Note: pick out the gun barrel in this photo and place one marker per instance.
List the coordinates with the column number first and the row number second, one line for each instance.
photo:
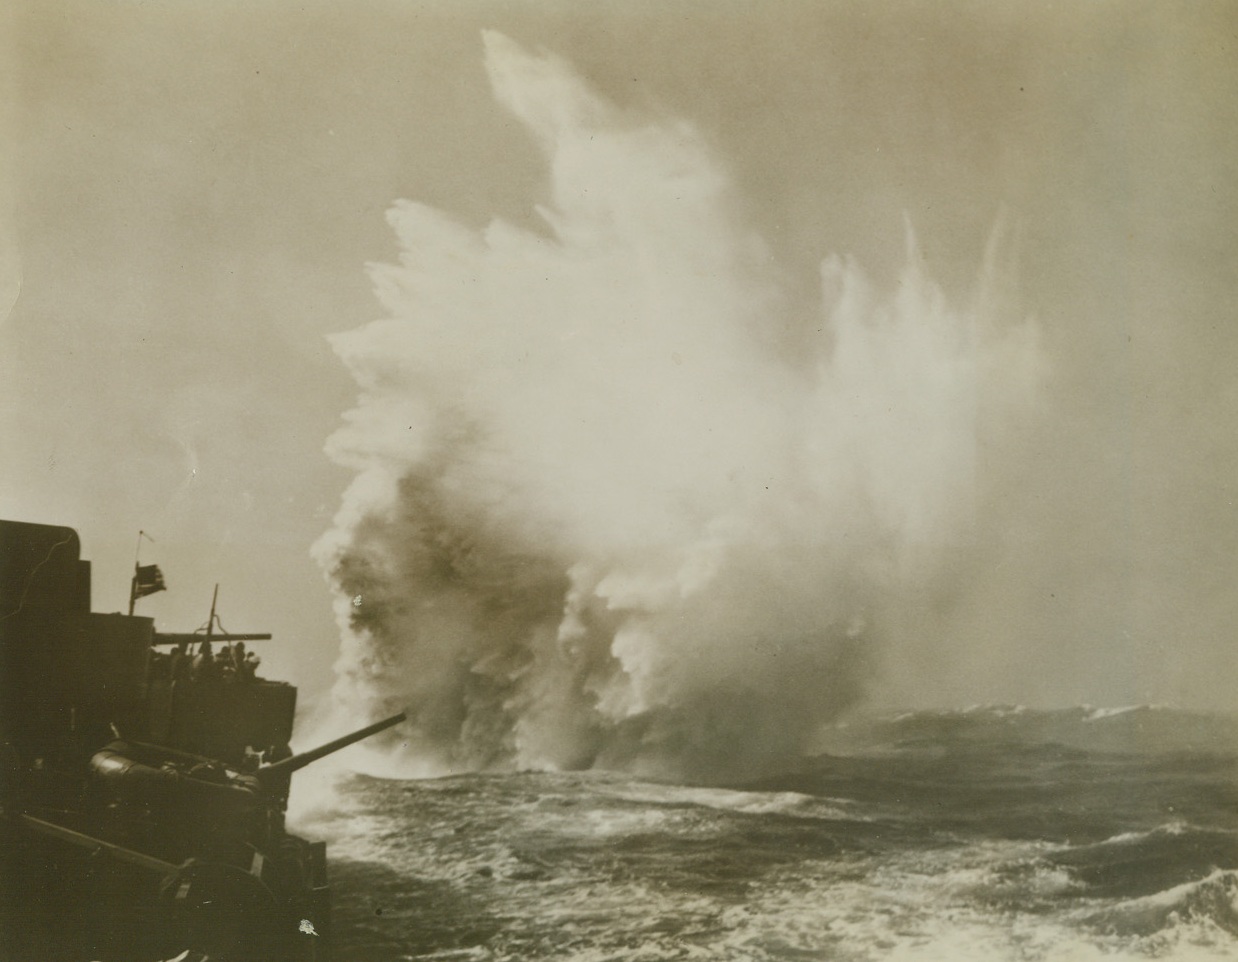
column 272, row 773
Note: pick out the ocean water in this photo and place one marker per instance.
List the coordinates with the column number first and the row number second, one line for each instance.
column 991, row 833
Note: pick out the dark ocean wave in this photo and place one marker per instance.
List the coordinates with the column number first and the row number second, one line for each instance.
column 1143, row 863
column 1209, row 901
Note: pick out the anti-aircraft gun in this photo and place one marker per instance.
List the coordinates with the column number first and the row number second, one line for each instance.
column 142, row 802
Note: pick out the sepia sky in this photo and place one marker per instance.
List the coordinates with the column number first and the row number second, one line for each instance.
column 192, row 191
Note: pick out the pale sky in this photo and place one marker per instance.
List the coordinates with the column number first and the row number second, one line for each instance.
column 193, row 191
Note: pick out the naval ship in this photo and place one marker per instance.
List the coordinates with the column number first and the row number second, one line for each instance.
column 144, row 780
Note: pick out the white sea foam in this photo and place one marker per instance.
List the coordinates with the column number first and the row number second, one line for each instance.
column 757, row 803
column 1100, row 714
column 1175, row 827
column 997, row 904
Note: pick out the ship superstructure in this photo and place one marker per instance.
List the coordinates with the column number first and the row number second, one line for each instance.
column 144, row 779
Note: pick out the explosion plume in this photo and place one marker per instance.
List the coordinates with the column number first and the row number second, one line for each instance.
column 614, row 505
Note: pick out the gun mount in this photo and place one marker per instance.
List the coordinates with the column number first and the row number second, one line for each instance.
column 143, row 793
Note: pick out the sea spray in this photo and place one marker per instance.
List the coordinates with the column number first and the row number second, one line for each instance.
column 613, row 506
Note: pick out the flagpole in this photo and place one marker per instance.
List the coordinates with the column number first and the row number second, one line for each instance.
column 133, row 585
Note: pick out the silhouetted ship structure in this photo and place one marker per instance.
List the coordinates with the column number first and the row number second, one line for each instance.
column 144, row 780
